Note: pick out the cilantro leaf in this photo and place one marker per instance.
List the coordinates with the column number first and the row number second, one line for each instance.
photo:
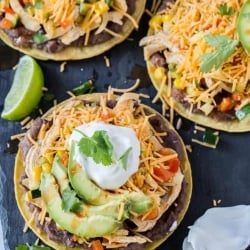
column 34, row 247
column 124, row 158
column 225, row 10
column 98, row 147
column 70, row 202
column 225, row 48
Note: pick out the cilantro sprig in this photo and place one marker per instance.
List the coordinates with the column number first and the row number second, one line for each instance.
column 33, row 247
column 100, row 148
column 70, row 202
column 224, row 49
column 224, row 10
column 124, row 158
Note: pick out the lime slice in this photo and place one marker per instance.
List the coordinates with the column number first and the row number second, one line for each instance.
column 26, row 90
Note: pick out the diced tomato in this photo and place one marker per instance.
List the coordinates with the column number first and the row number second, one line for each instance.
column 152, row 214
column 65, row 158
column 64, row 24
column 238, row 97
column 105, row 115
column 6, row 23
column 174, row 165
column 97, row 245
column 163, row 174
column 165, row 151
column 226, row 104
column 75, row 237
column 9, row 10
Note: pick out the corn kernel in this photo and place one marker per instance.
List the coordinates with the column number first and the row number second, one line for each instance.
column 166, row 18
column 37, row 171
column 159, row 73
column 46, row 167
column 49, row 157
column 155, row 22
column 179, row 84
column 101, row 7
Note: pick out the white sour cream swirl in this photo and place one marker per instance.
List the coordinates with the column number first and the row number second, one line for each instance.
column 122, row 138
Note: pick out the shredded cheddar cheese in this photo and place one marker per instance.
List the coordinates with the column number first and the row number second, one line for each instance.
column 179, row 33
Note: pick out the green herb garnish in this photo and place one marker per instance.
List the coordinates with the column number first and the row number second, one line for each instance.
column 27, row 247
column 225, row 48
column 84, row 88
column 70, row 202
column 38, row 4
column 48, row 96
column 124, row 158
column 98, row 147
column 39, row 38
column 225, row 10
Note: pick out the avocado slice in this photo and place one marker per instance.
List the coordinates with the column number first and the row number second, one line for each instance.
column 87, row 225
column 60, row 172
column 92, row 194
column 243, row 26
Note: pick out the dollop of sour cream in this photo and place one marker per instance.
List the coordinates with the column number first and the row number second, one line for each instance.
column 220, row 228
column 122, row 138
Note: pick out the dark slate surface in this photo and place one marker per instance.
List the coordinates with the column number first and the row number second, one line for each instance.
column 220, row 174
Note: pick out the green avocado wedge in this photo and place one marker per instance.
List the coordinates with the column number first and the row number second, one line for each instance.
column 243, row 26
column 91, row 193
column 89, row 225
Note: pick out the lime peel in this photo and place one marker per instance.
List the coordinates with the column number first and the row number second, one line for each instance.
column 26, row 90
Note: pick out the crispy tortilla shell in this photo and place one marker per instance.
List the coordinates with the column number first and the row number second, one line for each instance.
column 20, row 191
column 77, row 53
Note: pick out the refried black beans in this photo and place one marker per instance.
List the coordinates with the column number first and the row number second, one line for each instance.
column 21, row 37
column 163, row 224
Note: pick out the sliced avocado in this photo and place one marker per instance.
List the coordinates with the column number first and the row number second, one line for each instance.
column 91, row 193
column 60, row 172
column 94, row 225
column 111, row 208
column 243, row 26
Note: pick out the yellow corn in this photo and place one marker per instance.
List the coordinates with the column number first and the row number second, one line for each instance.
column 179, row 84
column 46, row 167
column 101, row 7
column 155, row 22
column 49, row 157
column 166, row 18
column 37, row 170
column 159, row 73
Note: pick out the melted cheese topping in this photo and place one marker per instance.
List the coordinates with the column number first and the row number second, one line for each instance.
column 178, row 33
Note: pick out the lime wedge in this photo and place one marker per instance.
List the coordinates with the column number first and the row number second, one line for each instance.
column 26, row 90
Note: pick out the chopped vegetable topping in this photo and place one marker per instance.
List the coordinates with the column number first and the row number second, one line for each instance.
column 225, row 10
column 243, row 112
column 210, row 138
column 86, row 87
column 36, row 193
